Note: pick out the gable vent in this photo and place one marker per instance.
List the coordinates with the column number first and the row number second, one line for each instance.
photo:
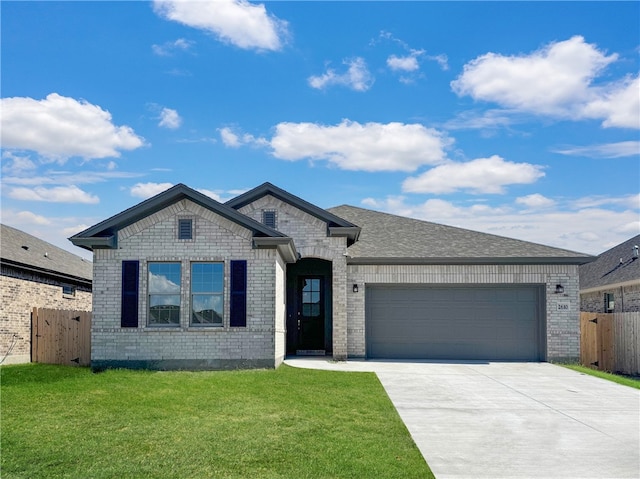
column 269, row 218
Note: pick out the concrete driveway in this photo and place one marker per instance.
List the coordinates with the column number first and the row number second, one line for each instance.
column 510, row 420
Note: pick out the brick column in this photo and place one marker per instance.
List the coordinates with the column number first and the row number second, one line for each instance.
column 339, row 271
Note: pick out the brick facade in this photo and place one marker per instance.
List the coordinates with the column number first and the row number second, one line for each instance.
column 626, row 299
column 216, row 239
column 20, row 292
column 562, row 325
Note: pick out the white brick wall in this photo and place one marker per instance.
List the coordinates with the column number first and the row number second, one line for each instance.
column 215, row 239
column 563, row 326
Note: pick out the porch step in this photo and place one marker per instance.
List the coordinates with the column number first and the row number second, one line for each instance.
column 311, row 352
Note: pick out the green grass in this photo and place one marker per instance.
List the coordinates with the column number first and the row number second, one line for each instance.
column 616, row 378
column 68, row 422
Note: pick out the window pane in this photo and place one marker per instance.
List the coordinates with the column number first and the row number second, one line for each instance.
column 207, row 277
column 207, row 309
column 164, row 278
column 164, row 309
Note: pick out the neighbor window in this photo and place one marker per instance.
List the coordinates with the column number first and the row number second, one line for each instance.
column 207, row 287
column 68, row 290
column 609, row 303
column 185, row 229
column 164, row 294
column 269, row 218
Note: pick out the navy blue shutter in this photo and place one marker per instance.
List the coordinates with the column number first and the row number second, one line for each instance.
column 238, row 306
column 129, row 305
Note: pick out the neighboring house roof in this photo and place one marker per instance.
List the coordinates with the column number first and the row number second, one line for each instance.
column 105, row 233
column 616, row 266
column 387, row 238
column 24, row 251
column 337, row 226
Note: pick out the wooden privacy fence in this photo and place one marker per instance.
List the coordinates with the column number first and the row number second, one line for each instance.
column 610, row 341
column 61, row 337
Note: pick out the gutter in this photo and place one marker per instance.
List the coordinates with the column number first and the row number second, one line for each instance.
column 47, row 272
column 471, row 261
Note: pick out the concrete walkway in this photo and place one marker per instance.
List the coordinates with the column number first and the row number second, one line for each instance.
column 510, row 420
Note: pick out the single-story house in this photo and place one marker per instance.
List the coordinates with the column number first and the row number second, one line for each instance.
column 182, row 281
column 611, row 283
column 36, row 274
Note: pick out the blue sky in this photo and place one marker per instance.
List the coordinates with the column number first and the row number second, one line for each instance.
column 518, row 119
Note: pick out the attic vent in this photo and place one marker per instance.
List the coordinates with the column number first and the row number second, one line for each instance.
column 185, row 229
column 25, row 247
column 269, row 218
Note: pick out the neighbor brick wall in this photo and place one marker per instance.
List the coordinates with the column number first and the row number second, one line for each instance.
column 562, row 327
column 20, row 292
column 626, row 299
column 311, row 240
column 215, row 238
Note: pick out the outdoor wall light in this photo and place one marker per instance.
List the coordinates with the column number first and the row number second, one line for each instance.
column 355, row 288
column 559, row 289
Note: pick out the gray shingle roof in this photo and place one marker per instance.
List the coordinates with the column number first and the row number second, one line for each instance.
column 390, row 238
column 21, row 249
column 609, row 269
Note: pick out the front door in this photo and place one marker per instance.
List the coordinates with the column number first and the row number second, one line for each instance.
column 311, row 313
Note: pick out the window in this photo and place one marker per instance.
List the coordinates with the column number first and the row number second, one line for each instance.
column 68, row 290
column 185, row 229
column 164, row 294
column 609, row 303
column 269, row 218
column 207, row 286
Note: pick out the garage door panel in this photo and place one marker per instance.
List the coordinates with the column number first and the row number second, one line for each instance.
column 454, row 322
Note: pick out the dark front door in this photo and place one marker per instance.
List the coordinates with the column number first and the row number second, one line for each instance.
column 311, row 313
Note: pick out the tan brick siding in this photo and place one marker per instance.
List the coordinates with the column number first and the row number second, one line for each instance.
column 21, row 292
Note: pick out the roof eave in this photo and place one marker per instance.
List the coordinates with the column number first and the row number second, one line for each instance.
column 48, row 272
column 603, row 287
column 95, row 242
column 285, row 247
column 469, row 261
column 351, row 232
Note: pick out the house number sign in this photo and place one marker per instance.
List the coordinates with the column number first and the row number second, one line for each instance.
column 563, row 305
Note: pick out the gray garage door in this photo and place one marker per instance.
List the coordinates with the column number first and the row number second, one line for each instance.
column 498, row 322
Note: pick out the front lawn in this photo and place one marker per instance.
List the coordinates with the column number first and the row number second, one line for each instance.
column 68, row 422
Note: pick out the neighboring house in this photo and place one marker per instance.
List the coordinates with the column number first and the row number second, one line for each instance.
column 183, row 281
column 36, row 274
column 611, row 283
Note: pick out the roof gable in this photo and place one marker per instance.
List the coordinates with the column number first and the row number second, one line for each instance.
column 337, row 226
column 614, row 266
column 24, row 251
column 104, row 234
column 387, row 238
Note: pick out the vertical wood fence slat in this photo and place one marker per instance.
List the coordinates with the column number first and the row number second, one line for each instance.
column 61, row 337
column 612, row 343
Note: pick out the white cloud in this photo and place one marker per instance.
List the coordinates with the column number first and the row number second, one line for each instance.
column 607, row 150
column 147, row 190
column 365, row 147
column 238, row 22
column 170, row 119
column 357, row 77
column 231, row 139
column 169, row 48
column 535, row 201
column 16, row 165
column 24, row 218
column 441, row 59
column 587, row 230
column 407, row 63
column 555, row 80
column 618, row 104
column 57, row 194
column 482, row 175
column 59, row 127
